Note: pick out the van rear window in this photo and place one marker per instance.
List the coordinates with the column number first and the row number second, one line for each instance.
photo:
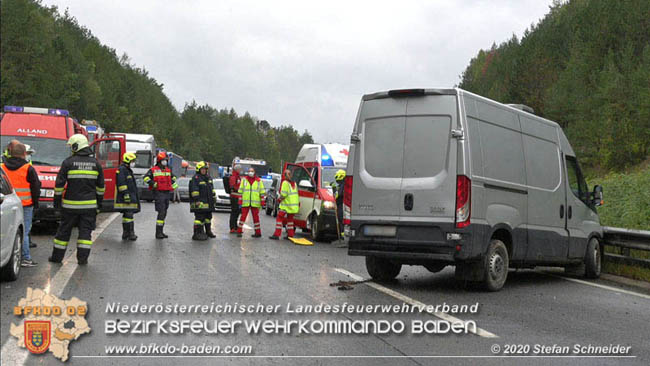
column 383, row 147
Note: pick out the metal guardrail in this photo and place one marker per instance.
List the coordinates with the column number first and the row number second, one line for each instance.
column 624, row 240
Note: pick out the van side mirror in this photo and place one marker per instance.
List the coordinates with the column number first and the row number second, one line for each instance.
column 305, row 184
column 598, row 196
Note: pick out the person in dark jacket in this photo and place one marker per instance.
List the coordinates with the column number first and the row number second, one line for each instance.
column 79, row 201
column 233, row 184
column 161, row 180
column 127, row 200
column 202, row 202
column 28, row 188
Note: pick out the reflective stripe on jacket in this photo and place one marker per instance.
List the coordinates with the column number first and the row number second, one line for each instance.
column 80, row 182
column 18, row 179
column 162, row 179
column 126, row 192
column 251, row 194
column 201, row 193
column 290, row 200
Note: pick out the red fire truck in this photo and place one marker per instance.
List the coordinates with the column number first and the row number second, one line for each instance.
column 47, row 130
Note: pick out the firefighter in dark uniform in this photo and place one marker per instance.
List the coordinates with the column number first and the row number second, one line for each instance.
column 127, row 200
column 338, row 188
column 161, row 180
column 202, row 202
column 78, row 192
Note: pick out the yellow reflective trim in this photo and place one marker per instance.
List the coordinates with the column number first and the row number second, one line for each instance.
column 194, row 194
column 57, row 189
column 60, row 242
column 81, row 241
column 123, row 188
column 83, row 172
column 89, row 202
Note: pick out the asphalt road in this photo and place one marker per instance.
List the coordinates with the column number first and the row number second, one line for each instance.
column 534, row 308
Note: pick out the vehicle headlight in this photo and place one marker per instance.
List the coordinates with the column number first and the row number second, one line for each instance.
column 47, row 192
column 329, row 205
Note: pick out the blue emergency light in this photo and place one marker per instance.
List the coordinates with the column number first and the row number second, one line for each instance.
column 53, row 111
column 325, row 158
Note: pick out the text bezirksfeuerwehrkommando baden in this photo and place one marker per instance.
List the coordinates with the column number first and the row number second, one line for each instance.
column 289, row 308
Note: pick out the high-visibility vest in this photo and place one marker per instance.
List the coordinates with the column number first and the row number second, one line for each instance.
column 163, row 177
column 18, row 179
column 290, row 199
column 252, row 194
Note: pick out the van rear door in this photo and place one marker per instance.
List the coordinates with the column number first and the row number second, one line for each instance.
column 407, row 159
column 428, row 190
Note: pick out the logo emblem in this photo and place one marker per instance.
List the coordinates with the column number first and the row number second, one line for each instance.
column 37, row 335
column 345, row 152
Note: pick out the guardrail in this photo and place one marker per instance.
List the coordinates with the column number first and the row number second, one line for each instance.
column 624, row 240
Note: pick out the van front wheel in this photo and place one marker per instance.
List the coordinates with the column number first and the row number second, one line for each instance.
column 496, row 265
column 593, row 259
column 382, row 268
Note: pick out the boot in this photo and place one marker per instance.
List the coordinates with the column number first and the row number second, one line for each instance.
column 208, row 231
column 132, row 236
column 57, row 255
column 256, row 235
column 125, row 230
column 82, row 255
column 199, row 234
column 159, row 233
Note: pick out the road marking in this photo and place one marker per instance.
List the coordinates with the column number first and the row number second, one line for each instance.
column 605, row 287
column 444, row 316
column 11, row 353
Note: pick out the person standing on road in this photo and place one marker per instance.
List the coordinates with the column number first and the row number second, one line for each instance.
column 289, row 206
column 234, row 182
column 127, row 200
column 339, row 191
column 24, row 179
column 78, row 192
column 161, row 180
column 251, row 198
column 202, row 202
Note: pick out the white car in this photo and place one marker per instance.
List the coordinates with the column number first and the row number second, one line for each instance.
column 222, row 198
column 11, row 237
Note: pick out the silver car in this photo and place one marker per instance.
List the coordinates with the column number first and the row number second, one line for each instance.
column 184, row 188
column 11, row 230
column 222, row 201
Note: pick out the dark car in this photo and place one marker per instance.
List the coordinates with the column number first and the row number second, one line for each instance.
column 272, row 197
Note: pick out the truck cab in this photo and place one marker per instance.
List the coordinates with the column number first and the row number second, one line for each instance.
column 313, row 171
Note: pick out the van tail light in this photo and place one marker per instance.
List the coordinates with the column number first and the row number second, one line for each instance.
column 347, row 200
column 463, row 201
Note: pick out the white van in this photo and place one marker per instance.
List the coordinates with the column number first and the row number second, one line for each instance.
column 443, row 176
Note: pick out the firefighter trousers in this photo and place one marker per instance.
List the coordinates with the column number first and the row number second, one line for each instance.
column 85, row 222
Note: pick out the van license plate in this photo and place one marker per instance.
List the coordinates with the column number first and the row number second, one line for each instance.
column 379, row 230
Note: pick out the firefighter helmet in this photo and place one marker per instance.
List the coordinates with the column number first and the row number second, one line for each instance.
column 161, row 156
column 128, row 157
column 200, row 165
column 340, row 175
column 77, row 142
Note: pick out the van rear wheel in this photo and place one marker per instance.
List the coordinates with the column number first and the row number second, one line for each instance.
column 496, row 265
column 382, row 269
column 593, row 259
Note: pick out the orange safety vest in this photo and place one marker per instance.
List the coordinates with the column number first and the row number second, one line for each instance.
column 18, row 179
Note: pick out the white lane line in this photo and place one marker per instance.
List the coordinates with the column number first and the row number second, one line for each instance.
column 444, row 316
column 11, row 353
column 605, row 287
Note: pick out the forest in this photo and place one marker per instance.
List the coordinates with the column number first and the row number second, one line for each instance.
column 47, row 59
column 585, row 65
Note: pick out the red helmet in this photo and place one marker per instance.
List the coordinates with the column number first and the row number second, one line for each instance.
column 162, row 155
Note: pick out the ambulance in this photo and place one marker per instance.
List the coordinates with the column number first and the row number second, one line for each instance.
column 47, row 130
column 313, row 171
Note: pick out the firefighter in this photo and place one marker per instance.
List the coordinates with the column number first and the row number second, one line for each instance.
column 339, row 191
column 202, row 202
column 233, row 184
column 24, row 179
column 289, row 206
column 161, row 180
column 251, row 198
column 127, row 199
column 78, row 191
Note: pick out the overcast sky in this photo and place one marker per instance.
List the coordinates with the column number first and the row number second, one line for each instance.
column 304, row 63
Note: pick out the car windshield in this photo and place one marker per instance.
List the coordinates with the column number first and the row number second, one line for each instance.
column 328, row 176
column 217, row 183
column 260, row 170
column 49, row 152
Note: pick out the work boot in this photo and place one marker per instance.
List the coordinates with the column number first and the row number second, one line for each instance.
column 132, row 236
column 273, row 237
column 82, row 255
column 125, row 230
column 199, row 234
column 57, row 255
column 159, row 233
column 208, row 231
column 256, row 235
